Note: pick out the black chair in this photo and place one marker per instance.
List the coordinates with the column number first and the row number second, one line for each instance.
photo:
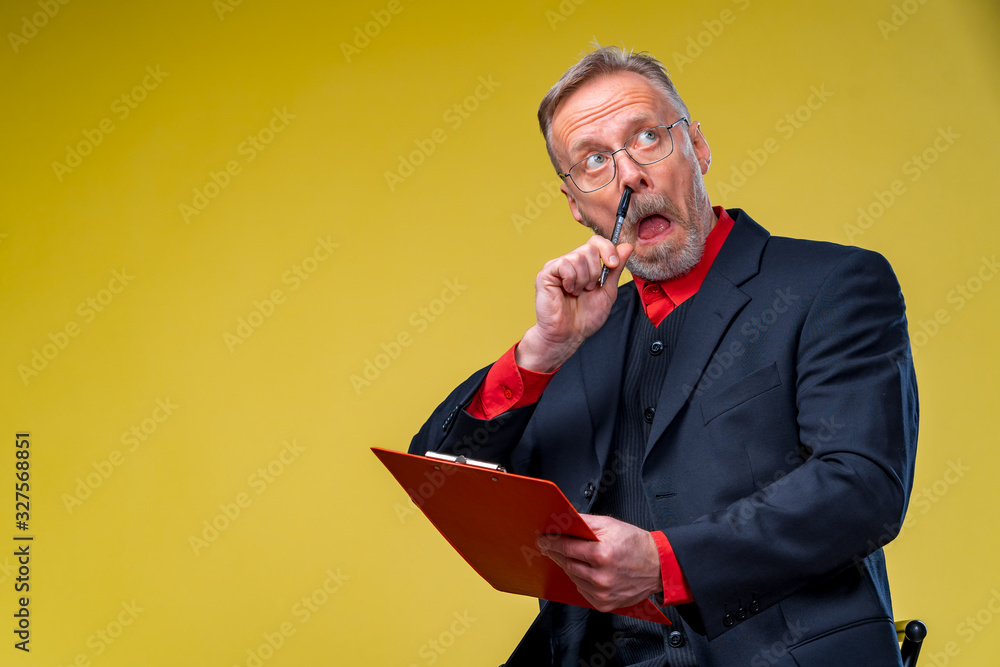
column 911, row 635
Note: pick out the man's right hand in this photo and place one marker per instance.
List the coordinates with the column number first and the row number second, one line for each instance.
column 569, row 304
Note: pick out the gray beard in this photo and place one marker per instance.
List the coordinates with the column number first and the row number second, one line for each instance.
column 671, row 258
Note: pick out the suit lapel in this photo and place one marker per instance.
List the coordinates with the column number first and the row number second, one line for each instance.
column 602, row 362
column 710, row 314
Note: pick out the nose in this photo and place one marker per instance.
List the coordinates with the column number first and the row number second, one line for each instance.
column 630, row 172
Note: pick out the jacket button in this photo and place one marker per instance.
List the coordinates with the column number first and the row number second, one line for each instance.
column 675, row 639
column 741, row 614
column 588, row 492
column 649, row 414
column 754, row 607
column 729, row 621
column 656, row 347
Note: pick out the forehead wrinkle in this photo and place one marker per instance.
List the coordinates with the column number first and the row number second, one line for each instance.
column 608, row 109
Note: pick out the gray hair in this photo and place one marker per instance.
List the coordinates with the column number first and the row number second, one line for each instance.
column 602, row 61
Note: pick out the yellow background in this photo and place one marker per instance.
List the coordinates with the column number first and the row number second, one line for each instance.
column 473, row 223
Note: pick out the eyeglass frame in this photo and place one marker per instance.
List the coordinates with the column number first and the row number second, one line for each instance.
column 568, row 173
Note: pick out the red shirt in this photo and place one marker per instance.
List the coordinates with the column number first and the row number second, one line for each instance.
column 508, row 386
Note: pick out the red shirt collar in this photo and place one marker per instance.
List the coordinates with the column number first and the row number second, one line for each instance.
column 660, row 298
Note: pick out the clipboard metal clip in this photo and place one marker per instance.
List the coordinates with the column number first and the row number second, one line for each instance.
column 465, row 460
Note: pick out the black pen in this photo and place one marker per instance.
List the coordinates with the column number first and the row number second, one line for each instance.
column 619, row 221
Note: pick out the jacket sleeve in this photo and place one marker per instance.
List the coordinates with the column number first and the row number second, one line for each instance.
column 452, row 430
column 856, row 401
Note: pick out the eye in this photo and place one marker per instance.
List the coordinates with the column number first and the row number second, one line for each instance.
column 596, row 162
column 646, row 138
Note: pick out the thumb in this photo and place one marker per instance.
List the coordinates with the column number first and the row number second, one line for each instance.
column 624, row 251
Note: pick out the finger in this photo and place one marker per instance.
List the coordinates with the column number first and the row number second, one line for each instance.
column 553, row 544
column 603, row 246
column 602, row 525
column 587, row 261
column 586, row 266
column 569, row 273
column 624, row 251
column 597, row 521
column 555, row 557
column 583, row 574
column 568, row 547
column 579, row 572
column 574, row 273
column 600, row 599
column 580, row 269
column 559, row 272
column 609, row 255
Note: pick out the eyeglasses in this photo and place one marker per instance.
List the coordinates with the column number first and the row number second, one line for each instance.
column 644, row 147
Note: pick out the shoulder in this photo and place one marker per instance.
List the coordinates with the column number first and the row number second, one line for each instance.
column 818, row 256
column 804, row 258
column 807, row 274
column 830, row 268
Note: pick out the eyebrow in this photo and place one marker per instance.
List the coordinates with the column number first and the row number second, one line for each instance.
column 588, row 144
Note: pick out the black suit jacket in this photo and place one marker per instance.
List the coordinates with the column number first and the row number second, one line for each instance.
column 780, row 458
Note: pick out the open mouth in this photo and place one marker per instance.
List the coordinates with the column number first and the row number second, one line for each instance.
column 653, row 227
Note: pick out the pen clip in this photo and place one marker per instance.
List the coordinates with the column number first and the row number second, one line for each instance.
column 623, row 207
column 619, row 221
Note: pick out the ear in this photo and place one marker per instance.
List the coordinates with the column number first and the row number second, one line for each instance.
column 574, row 209
column 700, row 145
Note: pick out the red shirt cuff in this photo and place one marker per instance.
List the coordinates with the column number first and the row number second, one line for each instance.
column 675, row 587
column 507, row 386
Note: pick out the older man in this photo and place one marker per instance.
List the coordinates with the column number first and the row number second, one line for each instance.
column 739, row 421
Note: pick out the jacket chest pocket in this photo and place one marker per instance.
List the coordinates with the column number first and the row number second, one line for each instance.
column 755, row 420
column 740, row 392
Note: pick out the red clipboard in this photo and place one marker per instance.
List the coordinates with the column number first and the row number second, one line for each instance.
column 493, row 518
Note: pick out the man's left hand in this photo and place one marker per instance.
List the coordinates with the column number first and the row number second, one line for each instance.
column 620, row 570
